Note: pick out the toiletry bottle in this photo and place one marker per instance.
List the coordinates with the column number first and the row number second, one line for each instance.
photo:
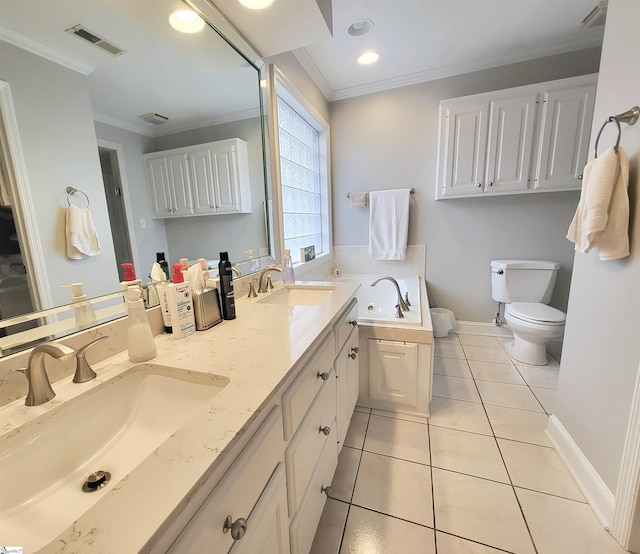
column 289, row 276
column 227, row 297
column 140, row 343
column 84, row 314
column 180, row 305
column 163, row 297
column 130, row 278
column 162, row 262
column 254, row 265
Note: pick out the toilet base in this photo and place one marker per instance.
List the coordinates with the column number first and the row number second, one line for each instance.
column 527, row 352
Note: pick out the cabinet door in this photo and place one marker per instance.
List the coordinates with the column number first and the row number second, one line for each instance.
column 464, row 141
column 268, row 527
column 393, row 372
column 160, row 187
column 566, row 125
column 178, row 172
column 226, row 178
column 203, row 181
column 509, row 149
column 346, row 366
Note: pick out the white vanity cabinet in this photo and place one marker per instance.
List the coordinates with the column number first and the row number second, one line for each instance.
column 522, row 140
column 205, row 179
column 346, row 369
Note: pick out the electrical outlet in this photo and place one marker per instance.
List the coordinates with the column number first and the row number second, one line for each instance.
column 143, row 224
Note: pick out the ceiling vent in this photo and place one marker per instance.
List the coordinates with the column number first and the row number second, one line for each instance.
column 82, row 32
column 155, row 118
column 596, row 15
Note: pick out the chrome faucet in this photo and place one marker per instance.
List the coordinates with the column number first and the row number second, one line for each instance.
column 40, row 390
column 401, row 305
column 262, row 281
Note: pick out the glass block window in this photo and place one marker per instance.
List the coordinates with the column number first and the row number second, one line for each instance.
column 300, row 177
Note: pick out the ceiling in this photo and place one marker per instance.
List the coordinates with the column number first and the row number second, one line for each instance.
column 420, row 40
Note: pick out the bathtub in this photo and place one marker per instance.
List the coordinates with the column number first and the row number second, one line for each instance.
column 378, row 304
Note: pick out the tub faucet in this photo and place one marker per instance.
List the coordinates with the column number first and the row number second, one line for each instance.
column 401, row 302
column 40, row 390
column 262, row 281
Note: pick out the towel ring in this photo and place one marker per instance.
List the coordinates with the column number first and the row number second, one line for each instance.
column 71, row 191
column 629, row 117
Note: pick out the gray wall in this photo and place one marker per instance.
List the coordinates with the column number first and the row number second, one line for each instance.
column 601, row 346
column 55, row 122
column 389, row 140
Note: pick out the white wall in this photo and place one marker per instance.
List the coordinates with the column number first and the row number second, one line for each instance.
column 601, row 346
column 389, row 140
column 55, row 122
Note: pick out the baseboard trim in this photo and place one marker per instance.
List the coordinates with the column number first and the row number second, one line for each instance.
column 594, row 489
column 480, row 328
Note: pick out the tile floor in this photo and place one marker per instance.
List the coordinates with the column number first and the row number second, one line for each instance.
column 480, row 477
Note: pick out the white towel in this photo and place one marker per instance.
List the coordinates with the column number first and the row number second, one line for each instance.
column 389, row 224
column 601, row 220
column 82, row 239
column 358, row 199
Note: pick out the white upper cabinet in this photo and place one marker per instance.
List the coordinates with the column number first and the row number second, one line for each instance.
column 205, row 179
column 521, row 140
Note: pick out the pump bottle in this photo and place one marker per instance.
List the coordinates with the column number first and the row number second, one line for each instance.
column 140, row 343
column 289, row 277
column 83, row 310
column 180, row 302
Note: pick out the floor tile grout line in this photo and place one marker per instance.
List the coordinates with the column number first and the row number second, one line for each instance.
column 392, row 516
column 475, row 541
column 433, row 495
column 553, row 495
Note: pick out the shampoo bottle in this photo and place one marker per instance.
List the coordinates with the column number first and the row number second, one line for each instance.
column 289, row 276
column 162, row 262
column 84, row 314
column 227, row 297
column 140, row 343
column 180, row 302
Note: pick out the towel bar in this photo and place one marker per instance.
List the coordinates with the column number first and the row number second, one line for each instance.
column 412, row 191
column 629, row 117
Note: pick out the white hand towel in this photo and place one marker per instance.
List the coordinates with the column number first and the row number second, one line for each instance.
column 389, row 224
column 82, row 239
column 358, row 199
column 601, row 220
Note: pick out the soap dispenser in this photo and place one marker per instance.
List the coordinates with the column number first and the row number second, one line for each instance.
column 130, row 278
column 289, row 277
column 254, row 265
column 140, row 343
column 84, row 314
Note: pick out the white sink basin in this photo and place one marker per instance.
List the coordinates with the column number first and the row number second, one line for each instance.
column 112, row 427
column 298, row 295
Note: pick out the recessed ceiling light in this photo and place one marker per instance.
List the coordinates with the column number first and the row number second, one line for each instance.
column 360, row 27
column 368, row 58
column 256, row 4
column 186, row 21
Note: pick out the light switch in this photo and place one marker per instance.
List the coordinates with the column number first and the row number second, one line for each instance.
column 143, row 224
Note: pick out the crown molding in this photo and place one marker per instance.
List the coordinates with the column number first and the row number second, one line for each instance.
column 309, row 65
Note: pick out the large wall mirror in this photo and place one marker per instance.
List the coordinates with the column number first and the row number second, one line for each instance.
column 87, row 89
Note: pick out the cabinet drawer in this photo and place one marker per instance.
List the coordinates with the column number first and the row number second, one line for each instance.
column 300, row 395
column 346, row 324
column 237, row 493
column 305, row 449
column 304, row 524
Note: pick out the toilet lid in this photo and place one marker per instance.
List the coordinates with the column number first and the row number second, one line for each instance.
column 534, row 312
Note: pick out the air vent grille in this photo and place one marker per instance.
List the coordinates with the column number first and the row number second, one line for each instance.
column 155, row 118
column 96, row 40
column 596, row 16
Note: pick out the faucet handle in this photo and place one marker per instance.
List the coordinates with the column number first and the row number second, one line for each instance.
column 83, row 369
column 252, row 290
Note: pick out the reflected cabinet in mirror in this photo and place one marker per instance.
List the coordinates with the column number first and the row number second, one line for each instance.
column 159, row 133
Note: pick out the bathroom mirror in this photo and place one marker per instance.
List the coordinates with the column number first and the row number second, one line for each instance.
column 93, row 86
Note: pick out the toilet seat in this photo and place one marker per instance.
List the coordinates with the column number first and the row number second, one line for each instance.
column 536, row 313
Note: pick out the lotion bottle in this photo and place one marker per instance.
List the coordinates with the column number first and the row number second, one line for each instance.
column 227, row 296
column 180, row 301
column 84, row 314
column 289, row 277
column 140, row 343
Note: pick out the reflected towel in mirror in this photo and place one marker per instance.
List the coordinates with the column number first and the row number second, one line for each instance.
column 82, row 238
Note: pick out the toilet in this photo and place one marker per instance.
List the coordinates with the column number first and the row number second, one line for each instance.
column 525, row 286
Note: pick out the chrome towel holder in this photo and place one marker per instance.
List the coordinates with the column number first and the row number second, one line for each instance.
column 412, row 190
column 629, row 117
column 71, row 191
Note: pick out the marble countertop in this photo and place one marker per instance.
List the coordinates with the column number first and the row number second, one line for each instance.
column 256, row 352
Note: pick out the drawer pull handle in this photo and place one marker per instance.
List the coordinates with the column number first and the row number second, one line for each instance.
column 353, row 322
column 238, row 527
column 325, row 430
column 324, row 375
column 327, row 491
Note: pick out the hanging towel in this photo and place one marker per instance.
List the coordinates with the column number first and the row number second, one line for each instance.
column 601, row 220
column 389, row 224
column 82, row 239
column 358, row 199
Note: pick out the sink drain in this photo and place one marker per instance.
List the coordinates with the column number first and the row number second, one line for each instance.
column 371, row 307
column 96, row 481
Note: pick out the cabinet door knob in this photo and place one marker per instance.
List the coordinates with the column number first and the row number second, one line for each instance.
column 353, row 355
column 353, row 322
column 324, row 375
column 238, row 527
column 479, row 185
column 580, row 177
column 490, row 183
column 355, row 349
column 325, row 430
column 326, row 490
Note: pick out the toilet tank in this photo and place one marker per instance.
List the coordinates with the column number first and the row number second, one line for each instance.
column 523, row 280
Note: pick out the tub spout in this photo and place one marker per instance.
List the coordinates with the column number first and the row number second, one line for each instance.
column 401, row 302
